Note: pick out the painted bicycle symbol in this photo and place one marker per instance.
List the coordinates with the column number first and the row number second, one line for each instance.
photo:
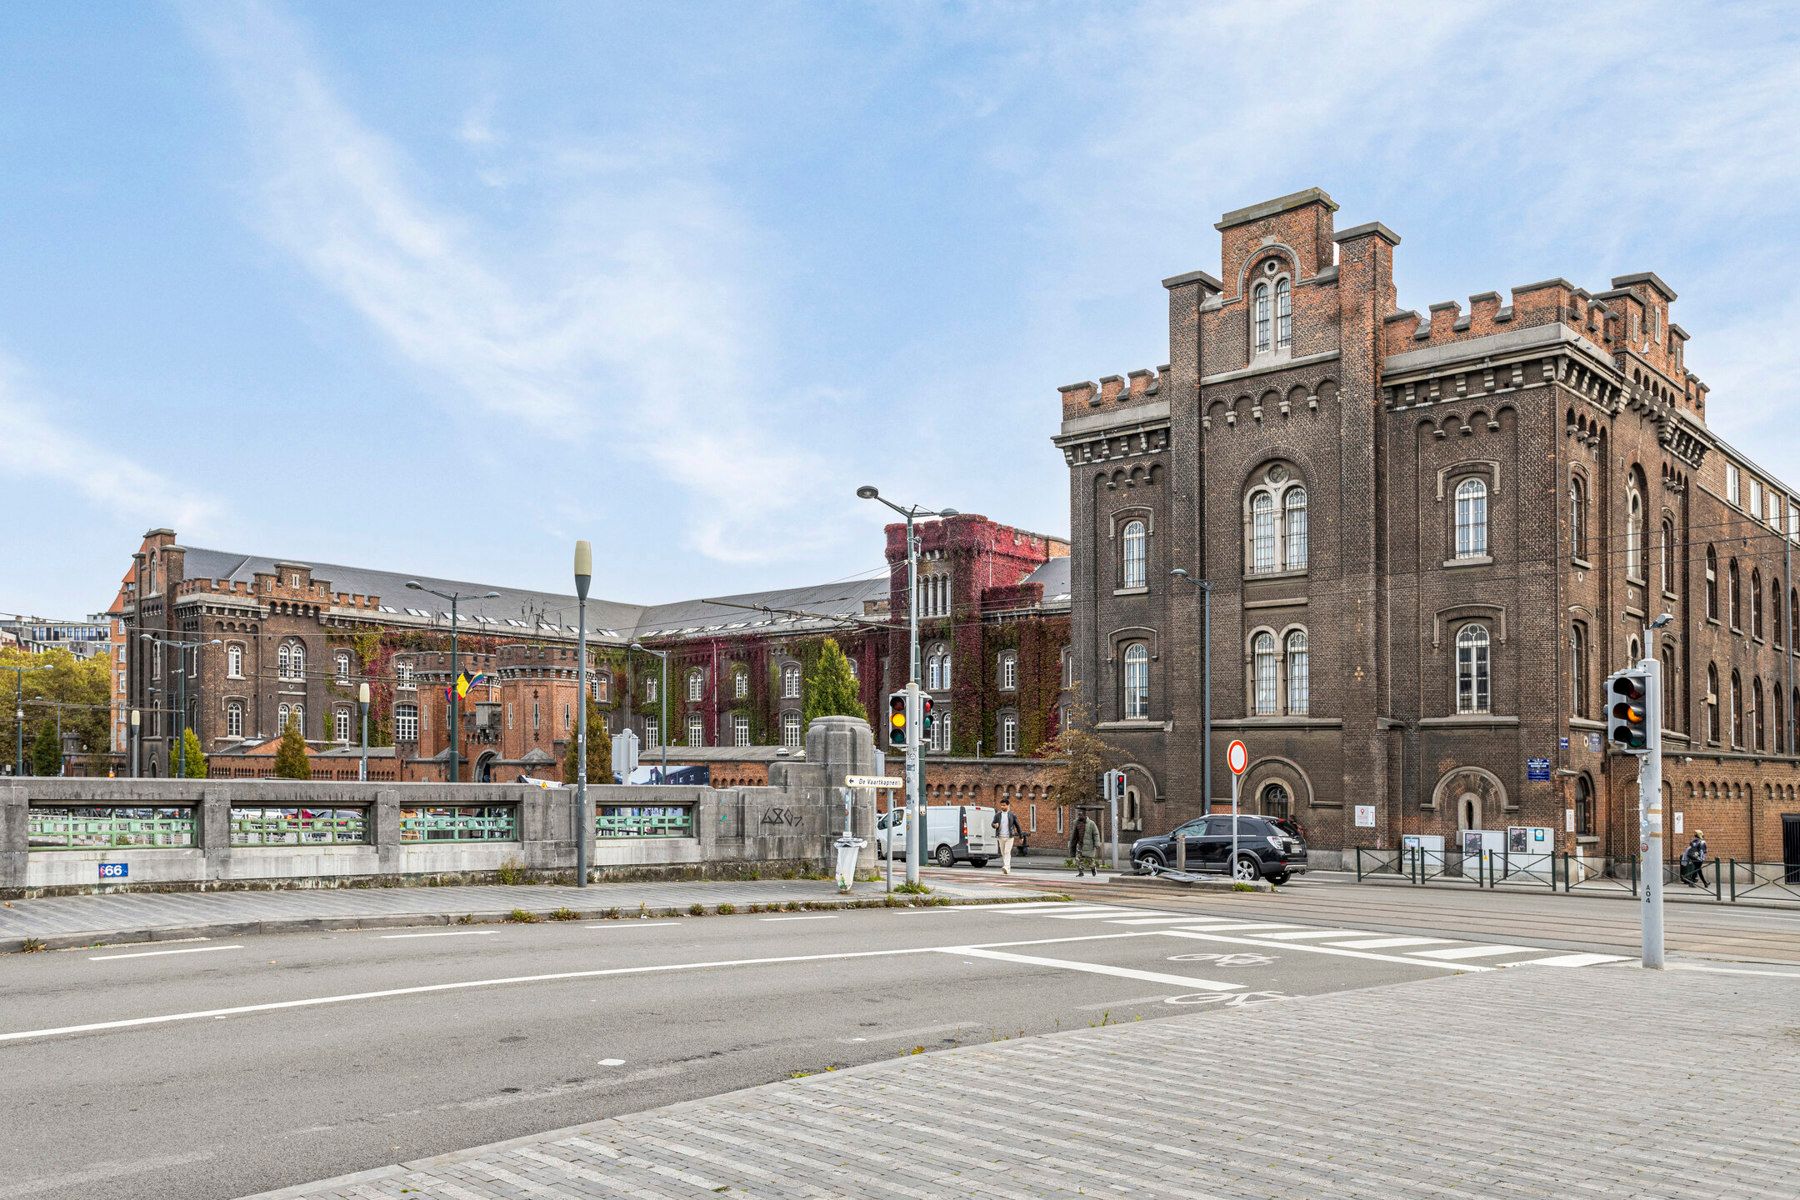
column 1227, row 999
column 1226, row 960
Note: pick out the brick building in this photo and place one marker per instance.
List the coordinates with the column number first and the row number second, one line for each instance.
column 1428, row 539
column 272, row 640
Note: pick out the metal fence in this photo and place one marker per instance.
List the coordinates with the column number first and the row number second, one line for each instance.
column 644, row 820
column 1765, row 881
column 1724, row 880
column 460, row 823
column 107, row 827
column 265, row 826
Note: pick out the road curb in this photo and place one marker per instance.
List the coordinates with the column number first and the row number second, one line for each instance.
column 93, row 939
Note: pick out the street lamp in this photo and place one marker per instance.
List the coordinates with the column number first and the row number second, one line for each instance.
column 454, row 598
column 584, row 575
column 180, row 693
column 1205, row 586
column 362, row 701
column 915, row 783
column 137, row 718
column 662, row 724
column 19, row 716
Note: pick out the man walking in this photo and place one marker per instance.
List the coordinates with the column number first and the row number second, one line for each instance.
column 1086, row 845
column 1006, row 831
column 1693, row 861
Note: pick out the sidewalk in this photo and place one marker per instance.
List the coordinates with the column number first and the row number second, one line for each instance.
column 1437, row 1089
column 63, row 921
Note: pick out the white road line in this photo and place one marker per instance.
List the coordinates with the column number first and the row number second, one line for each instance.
column 154, row 953
column 1195, row 921
column 1570, row 960
column 1265, row 943
column 908, row 1035
column 556, row 977
column 817, row 917
column 1301, row 934
column 631, row 924
column 1457, row 953
column 1103, row 914
column 388, row 937
column 1111, row 1005
column 1028, row 905
column 1245, row 926
column 610, row 1062
column 1733, row 971
column 1064, row 910
column 1181, row 981
column 1389, row 943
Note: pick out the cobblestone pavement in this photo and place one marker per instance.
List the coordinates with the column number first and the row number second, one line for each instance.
column 126, row 916
column 1527, row 1082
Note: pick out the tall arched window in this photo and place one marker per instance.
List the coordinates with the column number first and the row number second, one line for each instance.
column 1778, row 719
column 1584, row 807
column 1712, row 583
column 1737, row 710
column 290, row 660
column 790, row 682
column 1756, row 616
column 1578, row 670
column 1009, row 733
column 343, row 666
column 1137, row 681
column 1132, row 559
column 1472, row 518
column 740, row 684
column 1262, row 533
column 1293, row 530
column 1578, row 539
column 1735, row 594
column 1634, row 524
column 1260, row 307
column 1009, row 671
column 1263, row 675
column 696, row 684
column 1712, row 703
column 1775, row 611
column 1667, row 550
column 234, row 661
column 696, row 730
column 1474, row 680
column 937, row 668
column 1757, row 730
column 1299, row 674
column 1670, row 690
column 234, row 719
column 1284, row 316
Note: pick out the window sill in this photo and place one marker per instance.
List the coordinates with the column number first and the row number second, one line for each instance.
column 1465, row 720
column 1578, row 561
column 1136, row 725
column 1587, row 723
column 1140, row 590
column 1257, row 576
column 1473, row 560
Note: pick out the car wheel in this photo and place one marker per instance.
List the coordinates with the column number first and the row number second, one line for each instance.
column 1149, row 863
column 946, row 857
column 1281, row 878
column 978, row 862
column 1247, row 870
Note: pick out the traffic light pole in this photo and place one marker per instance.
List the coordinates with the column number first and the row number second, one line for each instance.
column 915, row 800
column 1650, row 805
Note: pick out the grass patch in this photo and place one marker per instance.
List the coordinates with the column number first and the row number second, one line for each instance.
column 725, row 910
column 32, row 946
column 791, row 906
column 466, row 919
column 1243, row 887
column 696, row 910
column 564, row 914
column 510, row 872
column 912, row 889
column 520, row 916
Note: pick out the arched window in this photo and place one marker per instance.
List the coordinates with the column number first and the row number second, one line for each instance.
column 1668, row 556
column 1735, row 594
column 1284, row 317
column 650, row 682
column 290, row 660
column 234, row 719
column 1584, row 807
column 1299, row 674
column 1737, row 710
column 1779, row 720
column 696, row 730
column 406, row 722
column 1260, row 308
column 340, row 724
column 1775, row 611
column 1757, row 730
column 1712, row 584
column 1712, row 703
column 1671, row 707
column 1009, row 733
column 1578, row 540
column 234, row 661
column 1262, row 533
column 1472, row 518
column 1756, row 616
column 1009, row 671
column 1474, row 681
column 1274, row 801
column 696, row 684
column 740, row 684
column 1578, row 670
column 790, row 681
column 1293, row 529
column 1137, row 682
column 1634, row 524
column 343, row 666
column 937, row 669
column 1263, row 675
column 790, row 730
column 282, row 715
column 1132, row 559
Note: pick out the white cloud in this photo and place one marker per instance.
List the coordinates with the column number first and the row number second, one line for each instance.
column 40, row 443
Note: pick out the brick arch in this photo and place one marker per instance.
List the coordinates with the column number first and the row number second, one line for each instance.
column 1459, row 783
column 1273, row 768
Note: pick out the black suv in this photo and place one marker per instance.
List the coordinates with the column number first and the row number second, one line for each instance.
column 1272, row 848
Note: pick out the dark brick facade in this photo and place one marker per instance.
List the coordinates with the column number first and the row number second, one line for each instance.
column 1386, row 420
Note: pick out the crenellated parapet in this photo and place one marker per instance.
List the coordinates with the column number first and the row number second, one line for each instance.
column 1112, row 393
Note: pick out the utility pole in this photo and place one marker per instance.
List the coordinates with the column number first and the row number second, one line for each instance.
column 455, row 598
column 1634, row 726
column 584, row 575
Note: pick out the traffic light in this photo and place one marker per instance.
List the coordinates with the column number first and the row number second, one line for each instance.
column 1628, row 711
column 897, row 720
column 924, row 719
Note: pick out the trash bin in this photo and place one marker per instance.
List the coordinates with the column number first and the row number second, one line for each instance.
column 847, row 848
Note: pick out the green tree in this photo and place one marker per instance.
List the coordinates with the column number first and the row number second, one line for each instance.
column 81, row 685
column 1084, row 756
column 831, row 690
column 599, row 748
column 290, row 758
column 192, row 755
column 46, row 755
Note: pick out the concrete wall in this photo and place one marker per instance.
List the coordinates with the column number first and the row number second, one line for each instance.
column 789, row 824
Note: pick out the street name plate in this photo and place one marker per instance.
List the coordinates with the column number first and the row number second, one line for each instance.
column 1537, row 769
column 874, row 781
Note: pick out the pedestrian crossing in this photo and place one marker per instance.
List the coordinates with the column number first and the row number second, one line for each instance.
column 1443, row 952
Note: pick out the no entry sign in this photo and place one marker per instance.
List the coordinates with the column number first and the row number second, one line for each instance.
column 1237, row 757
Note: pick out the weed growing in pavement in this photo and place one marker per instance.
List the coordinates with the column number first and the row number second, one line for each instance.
column 520, row 916
column 916, row 1050
column 466, row 919
column 611, row 914
column 510, row 872
column 565, row 914
column 31, row 946
column 912, row 889
column 792, row 906
column 725, row 910
column 1243, row 887
column 696, row 910
column 643, row 910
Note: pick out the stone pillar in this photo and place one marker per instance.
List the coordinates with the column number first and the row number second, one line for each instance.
column 844, row 746
column 14, row 810
column 384, row 827
column 214, row 812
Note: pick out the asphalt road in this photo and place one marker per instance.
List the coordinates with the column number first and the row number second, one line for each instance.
column 221, row 1068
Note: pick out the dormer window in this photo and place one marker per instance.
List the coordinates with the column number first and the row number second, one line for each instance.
column 1272, row 311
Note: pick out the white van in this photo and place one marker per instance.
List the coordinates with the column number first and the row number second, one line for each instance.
column 954, row 832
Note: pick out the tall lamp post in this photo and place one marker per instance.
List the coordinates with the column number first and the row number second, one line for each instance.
column 183, row 646
column 454, row 598
column 362, row 702
column 662, row 724
column 584, row 575
column 19, row 716
column 137, row 718
column 1205, row 586
column 915, row 782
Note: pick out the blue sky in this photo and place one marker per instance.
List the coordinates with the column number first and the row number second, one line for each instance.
column 443, row 288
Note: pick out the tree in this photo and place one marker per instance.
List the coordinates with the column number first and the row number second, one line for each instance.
column 599, row 748
column 82, row 686
column 190, row 751
column 831, row 690
column 290, row 759
column 1084, row 755
column 45, row 754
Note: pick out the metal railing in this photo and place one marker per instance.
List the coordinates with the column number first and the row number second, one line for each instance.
column 644, row 820
column 460, row 823
column 296, row 826
column 109, row 827
column 1725, row 880
column 1775, row 881
column 1621, row 875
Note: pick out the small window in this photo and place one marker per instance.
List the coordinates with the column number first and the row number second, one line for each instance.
column 1263, row 675
column 1009, row 733
column 406, row 722
column 234, row 661
column 696, row 730
column 1473, row 678
column 696, row 684
column 234, row 719
column 790, row 682
column 1132, row 561
column 1299, row 674
column 652, row 731
column 1472, row 519
column 740, row 684
column 1009, row 671
column 1137, row 682
column 790, row 730
column 1733, row 488
column 740, row 731
column 343, row 666
column 1274, row 800
column 340, row 724
column 403, row 673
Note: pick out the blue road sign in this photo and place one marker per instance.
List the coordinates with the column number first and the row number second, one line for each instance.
column 114, row 870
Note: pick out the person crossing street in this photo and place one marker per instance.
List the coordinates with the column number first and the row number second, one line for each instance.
column 1006, row 832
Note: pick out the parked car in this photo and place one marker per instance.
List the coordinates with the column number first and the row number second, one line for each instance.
column 954, row 833
column 1269, row 848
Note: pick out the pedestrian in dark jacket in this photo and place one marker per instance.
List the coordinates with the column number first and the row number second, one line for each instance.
column 1006, row 832
column 1086, row 845
column 1693, row 861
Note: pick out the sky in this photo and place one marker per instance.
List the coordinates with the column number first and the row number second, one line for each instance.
column 442, row 288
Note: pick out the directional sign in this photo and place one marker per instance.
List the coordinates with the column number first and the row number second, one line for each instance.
column 874, row 781
column 1237, row 757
